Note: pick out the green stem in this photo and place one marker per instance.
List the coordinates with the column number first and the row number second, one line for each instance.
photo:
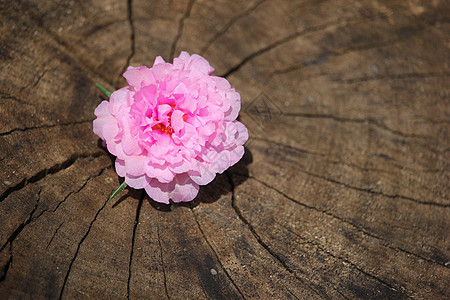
column 119, row 189
column 103, row 90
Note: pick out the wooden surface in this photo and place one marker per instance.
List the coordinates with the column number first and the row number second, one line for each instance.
column 344, row 188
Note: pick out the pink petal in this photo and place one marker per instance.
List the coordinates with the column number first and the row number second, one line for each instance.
column 184, row 190
column 163, row 173
column 180, row 167
column 159, row 71
column 236, row 154
column 120, row 168
column 136, row 165
column 130, row 146
column 158, row 191
column 242, row 133
column 221, row 83
column 159, row 60
column 102, row 109
column 189, row 136
column 115, row 148
column 204, row 177
column 223, row 162
column 188, row 104
column 118, row 99
column 137, row 182
column 110, row 130
column 99, row 125
column 148, row 94
column 200, row 64
column 134, row 76
column 177, row 120
column 184, row 55
column 233, row 112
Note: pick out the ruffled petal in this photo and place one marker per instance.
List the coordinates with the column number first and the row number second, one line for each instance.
column 133, row 76
column 137, row 182
column 205, row 176
column 185, row 189
column 242, row 133
column 102, row 109
column 131, row 146
column 110, row 130
column 177, row 120
column 158, row 191
column 99, row 125
column 159, row 60
column 236, row 154
column 163, row 173
column 118, row 99
column 120, row 167
column 180, row 167
column 135, row 165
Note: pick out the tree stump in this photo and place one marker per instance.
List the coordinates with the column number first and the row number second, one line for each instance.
column 343, row 190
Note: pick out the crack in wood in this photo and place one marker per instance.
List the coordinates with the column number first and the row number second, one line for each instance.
column 136, row 223
column 79, row 246
column 45, row 126
column 260, row 241
column 5, row 95
column 289, row 291
column 180, row 29
column 132, row 36
column 14, row 235
column 434, row 121
column 392, row 77
column 40, row 214
column 30, row 219
column 49, row 171
column 356, row 120
column 291, row 37
column 341, row 259
column 383, row 242
column 217, row 256
column 162, row 263
column 368, row 46
column 301, row 150
column 337, row 53
column 306, row 241
column 7, row 265
column 37, row 81
column 19, row 229
column 343, row 163
column 54, row 234
column 64, row 46
column 82, row 187
column 250, row 226
column 227, row 26
column 373, row 192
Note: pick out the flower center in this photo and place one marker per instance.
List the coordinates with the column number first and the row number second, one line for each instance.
column 165, row 125
column 161, row 127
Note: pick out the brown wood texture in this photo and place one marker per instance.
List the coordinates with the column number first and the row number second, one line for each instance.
column 344, row 188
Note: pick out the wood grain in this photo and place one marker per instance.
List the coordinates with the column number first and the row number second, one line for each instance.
column 343, row 190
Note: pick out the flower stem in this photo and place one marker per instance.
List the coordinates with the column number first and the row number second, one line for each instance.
column 119, row 189
column 103, row 90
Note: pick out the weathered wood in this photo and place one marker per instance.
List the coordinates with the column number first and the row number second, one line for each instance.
column 342, row 193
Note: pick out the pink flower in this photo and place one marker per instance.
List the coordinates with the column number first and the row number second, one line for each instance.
column 172, row 128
